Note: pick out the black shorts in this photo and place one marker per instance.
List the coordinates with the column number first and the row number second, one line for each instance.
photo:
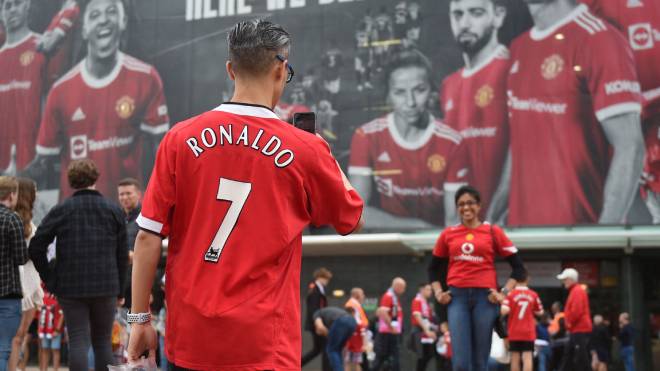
column 603, row 355
column 521, row 346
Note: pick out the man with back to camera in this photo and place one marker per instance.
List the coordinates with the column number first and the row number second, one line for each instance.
column 233, row 189
column 473, row 99
column 576, row 142
column 317, row 299
column 578, row 323
column 109, row 108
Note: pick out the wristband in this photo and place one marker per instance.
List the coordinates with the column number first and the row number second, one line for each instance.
column 138, row 317
column 505, row 291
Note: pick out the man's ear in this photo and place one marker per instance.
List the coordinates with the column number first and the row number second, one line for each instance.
column 230, row 70
column 280, row 70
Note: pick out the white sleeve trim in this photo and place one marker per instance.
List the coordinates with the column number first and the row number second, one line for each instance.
column 149, row 224
column 48, row 151
column 453, row 187
column 160, row 129
column 511, row 249
column 360, row 170
column 59, row 31
column 617, row 109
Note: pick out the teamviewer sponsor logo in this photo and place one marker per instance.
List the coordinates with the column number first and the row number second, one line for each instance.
column 620, row 86
column 78, row 146
column 535, row 105
column 112, row 142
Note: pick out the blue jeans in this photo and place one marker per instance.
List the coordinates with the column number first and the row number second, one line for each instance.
column 10, row 319
column 340, row 331
column 544, row 357
column 628, row 357
column 471, row 320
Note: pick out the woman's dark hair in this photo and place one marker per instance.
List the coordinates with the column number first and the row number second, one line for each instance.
column 469, row 190
column 407, row 58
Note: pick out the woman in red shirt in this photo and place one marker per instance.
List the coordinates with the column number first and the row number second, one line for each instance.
column 465, row 254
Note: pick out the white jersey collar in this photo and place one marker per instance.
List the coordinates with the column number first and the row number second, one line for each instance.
column 402, row 142
column 97, row 83
column 499, row 51
column 244, row 109
column 25, row 38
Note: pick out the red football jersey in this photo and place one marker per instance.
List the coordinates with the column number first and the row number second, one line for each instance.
column 524, row 303
column 392, row 302
column 22, row 72
column 421, row 306
column 102, row 119
column 474, row 104
column 249, row 183
column 63, row 23
column 559, row 90
column 410, row 177
column 472, row 253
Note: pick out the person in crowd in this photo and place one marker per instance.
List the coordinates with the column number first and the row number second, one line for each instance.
column 390, row 326
column 558, row 335
column 316, row 299
column 408, row 157
column 13, row 254
column 627, row 339
column 543, row 342
column 445, row 349
column 423, row 324
column 252, row 266
column 473, row 99
column 50, row 328
column 577, row 316
column 464, row 255
column 639, row 21
column 521, row 305
column 109, row 108
column 592, row 166
column 30, row 282
column 130, row 194
column 601, row 344
column 90, row 269
column 357, row 342
column 337, row 325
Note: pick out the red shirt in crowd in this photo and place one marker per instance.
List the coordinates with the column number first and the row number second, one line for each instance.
column 577, row 314
column 392, row 302
column 472, row 252
column 474, row 103
column 524, row 303
column 410, row 177
column 104, row 120
column 356, row 341
column 421, row 305
column 50, row 315
column 559, row 92
column 233, row 189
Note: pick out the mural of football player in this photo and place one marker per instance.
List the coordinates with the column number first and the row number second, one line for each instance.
column 109, row 108
column 474, row 99
column 576, row 141
column 409, row 160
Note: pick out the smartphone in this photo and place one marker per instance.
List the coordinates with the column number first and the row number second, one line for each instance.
column 305, row 121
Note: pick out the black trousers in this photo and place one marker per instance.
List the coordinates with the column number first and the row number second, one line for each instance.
column 387, row 348
column 429, row 353
column 576, row 354
column 318, row 347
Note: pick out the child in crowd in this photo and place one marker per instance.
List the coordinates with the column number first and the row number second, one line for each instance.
column 51, row 324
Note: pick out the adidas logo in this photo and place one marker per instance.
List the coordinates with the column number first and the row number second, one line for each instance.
column 78, row 115
column 449, row 106
column 384, row 157
column 514, row 68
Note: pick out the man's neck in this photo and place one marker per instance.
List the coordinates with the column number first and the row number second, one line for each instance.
column 482, row 55
column 6, row 203
column 253, row 92
column 100, row 68
column 548, row 14
column 18, row 35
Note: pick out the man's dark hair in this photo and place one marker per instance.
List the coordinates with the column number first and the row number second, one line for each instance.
column 495, row 2
column 82, row 174
column 407, row 58
column 129, row 182
column 466, row 189
column 322, row 273
column 254, row 44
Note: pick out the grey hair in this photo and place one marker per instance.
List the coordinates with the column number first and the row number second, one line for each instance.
column 254, row 44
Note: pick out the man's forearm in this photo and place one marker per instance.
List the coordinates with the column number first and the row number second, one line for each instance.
column 622, row 184
column 145, row 262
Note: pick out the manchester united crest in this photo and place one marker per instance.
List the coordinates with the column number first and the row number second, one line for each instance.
column 552, row 66
column 436, row 163
column 26, row 58
column 125, row 107
column 484, row 96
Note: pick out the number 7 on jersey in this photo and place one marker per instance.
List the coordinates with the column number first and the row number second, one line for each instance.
column 237, row 193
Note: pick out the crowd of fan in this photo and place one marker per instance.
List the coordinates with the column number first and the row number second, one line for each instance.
column 373, row 341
